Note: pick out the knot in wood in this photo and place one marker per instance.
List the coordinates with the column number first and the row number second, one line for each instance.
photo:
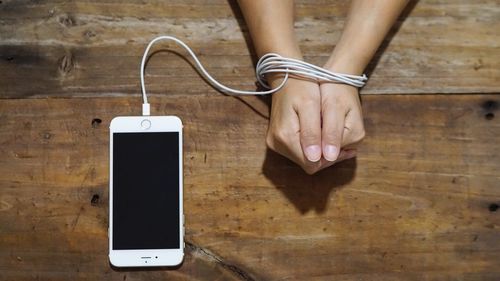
column 66, row 20
column 66, row 63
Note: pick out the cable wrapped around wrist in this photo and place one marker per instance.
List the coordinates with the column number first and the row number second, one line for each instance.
column 267, row 64
column 274, row 63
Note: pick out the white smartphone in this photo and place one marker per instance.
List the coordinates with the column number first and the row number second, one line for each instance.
column 146, row 219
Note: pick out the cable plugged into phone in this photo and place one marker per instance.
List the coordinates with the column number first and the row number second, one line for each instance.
column 149, row 232
column 269, row 63
column 146, row 110
column 160, row 139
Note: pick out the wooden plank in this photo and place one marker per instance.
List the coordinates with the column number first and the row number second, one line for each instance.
column 419, row 203
column 92, row 48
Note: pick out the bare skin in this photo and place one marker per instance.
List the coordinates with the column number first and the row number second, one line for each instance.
column 318, row 124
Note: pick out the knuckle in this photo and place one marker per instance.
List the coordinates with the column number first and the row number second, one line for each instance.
column 332, row 99
column 280, row 135
column 311, row 100
column 359, row 135
column 270, row 141
column 310, row 136
column 331, row 136
column 337, row 101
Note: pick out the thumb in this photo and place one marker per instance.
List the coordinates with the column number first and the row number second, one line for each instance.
column 309, row 114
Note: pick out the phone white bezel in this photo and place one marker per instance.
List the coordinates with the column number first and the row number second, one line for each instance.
column 148, row 257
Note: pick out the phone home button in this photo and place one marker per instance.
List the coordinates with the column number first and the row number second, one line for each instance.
column 145, row 124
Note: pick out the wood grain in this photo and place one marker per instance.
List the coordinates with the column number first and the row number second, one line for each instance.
column 419, row 203
column 93, row 48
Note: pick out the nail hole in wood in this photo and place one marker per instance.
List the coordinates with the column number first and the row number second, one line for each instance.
column 95, row 200
column 493, row 207
column 89, row 34
column 96, row 122
column 489, row 116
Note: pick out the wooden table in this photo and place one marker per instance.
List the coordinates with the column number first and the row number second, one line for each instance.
column 420, row 202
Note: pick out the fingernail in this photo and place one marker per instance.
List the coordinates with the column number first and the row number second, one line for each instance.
column 330, row 152
column 313, row 153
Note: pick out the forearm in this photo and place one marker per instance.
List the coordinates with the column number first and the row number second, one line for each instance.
column 367, row 24
column 271, row 26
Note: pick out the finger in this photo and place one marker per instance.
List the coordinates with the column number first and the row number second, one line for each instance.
column 333, row 127
column 293, row 151
column 343, row 155
column 354, row 130
column 309, row 113
column 285, row 140
column 346, row 155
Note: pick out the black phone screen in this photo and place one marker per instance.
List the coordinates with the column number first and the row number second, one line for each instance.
column 146, row 191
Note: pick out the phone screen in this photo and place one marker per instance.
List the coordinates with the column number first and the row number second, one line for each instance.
column 146, row 191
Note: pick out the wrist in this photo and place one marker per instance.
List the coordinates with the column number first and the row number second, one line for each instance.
column 343, row 90
column 281, row 43
column 347, row 61
column 345, row 65
column 275, row 79
column 288, row 52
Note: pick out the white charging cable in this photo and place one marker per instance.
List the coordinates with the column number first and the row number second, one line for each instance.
column 269, row 63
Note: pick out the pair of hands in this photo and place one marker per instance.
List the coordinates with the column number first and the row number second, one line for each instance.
column 315, row 125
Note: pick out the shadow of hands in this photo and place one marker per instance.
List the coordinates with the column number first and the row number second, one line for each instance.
column 307, row 192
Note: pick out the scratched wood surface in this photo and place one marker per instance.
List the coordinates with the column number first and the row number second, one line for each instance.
column 419, row 203
column 93, row 48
